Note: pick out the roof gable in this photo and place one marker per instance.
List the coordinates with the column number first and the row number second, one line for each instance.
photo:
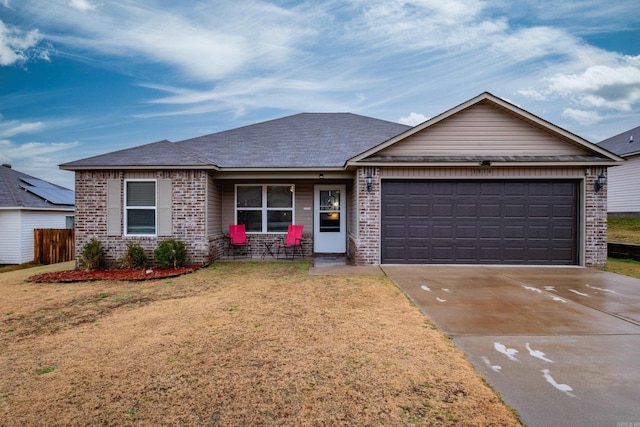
column 488, row 128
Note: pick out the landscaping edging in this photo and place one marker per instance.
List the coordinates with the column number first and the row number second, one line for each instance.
column 70, row 276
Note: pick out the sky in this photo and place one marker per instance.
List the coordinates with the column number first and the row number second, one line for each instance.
column 80, row 78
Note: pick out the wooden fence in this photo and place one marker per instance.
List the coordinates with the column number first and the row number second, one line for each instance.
column 53, row 245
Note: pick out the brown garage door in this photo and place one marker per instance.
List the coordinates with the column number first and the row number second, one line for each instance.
column 480, row 222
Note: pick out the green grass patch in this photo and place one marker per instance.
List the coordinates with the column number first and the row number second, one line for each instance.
column 624, row 230
column 46, row 370
column 627, row 267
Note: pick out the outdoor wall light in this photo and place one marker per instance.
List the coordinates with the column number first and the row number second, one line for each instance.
column 599, row 183
column 369, row 182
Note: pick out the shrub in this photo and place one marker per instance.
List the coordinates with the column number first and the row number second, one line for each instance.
column 134, row 257
column 171, row 253
column 93, row 256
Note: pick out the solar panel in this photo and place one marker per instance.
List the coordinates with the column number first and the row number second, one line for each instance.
column 49, row 192
column 35, row 182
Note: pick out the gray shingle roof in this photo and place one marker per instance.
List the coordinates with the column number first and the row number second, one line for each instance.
column 14, row 195
column 304, row 140
column 620, row 144
column 161, row 153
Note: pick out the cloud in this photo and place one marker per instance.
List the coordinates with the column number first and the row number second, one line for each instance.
column 35, row 150
column 614, row 87
column 11, row 128
column 581, row 116
column 335, row 93
column 413, row 119
column 82, row 5
column 207, row 40
column 15, row 44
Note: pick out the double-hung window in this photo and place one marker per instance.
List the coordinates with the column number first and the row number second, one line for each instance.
column 140, row 207
column 265, row 208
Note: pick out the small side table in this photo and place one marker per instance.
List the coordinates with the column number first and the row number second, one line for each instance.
column 268, row 248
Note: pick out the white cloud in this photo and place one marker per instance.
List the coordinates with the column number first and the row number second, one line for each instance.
column 32, row 150
column 581, row 116
column 11, row 128
column 82, row 5
column 614, row 87
column 208, row 40
column 15, row 44
column 413, row 119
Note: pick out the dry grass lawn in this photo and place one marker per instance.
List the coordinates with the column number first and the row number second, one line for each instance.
column 241, row 344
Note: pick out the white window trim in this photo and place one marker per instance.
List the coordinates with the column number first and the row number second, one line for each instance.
column 264, row 209
column 127, row 208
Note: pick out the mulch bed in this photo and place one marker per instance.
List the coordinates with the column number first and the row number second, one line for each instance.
column 120, row 274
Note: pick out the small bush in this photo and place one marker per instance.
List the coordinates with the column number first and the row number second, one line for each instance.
column 171, row 254
column 134, row 257
column 93, row 256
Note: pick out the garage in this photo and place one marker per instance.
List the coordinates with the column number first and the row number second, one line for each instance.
column 520, row 222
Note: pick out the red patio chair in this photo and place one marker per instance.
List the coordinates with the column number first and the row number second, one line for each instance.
column 293, row 241
column 238, row 240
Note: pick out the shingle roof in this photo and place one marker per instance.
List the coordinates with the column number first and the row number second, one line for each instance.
column 620, row 144
column 304, row 140
column 301, row 140
column 14, row 195
column 161, row 153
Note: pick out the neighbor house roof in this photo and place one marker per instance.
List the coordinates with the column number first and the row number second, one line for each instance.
column 19, row 190
column 300, row 141
column 624, row 144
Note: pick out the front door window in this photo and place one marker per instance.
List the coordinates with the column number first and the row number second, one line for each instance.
column 329, row 211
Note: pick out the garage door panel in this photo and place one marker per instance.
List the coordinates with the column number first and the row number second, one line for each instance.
column 419, row 231
column 498, row 222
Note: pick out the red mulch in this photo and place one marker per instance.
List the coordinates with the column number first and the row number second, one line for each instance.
column 123, row 274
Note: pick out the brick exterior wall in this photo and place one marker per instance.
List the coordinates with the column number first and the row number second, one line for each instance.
column 188, row 213
column 595, row 239
column 364, row 245
column 258, row 248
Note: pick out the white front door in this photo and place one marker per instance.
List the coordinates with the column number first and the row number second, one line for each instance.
column 329, row 223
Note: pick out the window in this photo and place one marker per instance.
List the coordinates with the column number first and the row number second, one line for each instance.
column 69, row 221
column 264, row 208
column 140, row 207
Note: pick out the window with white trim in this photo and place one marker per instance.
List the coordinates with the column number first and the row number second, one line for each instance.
column 267, row 208
column 140, row 207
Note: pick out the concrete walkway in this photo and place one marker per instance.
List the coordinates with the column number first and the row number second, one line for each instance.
column 561, row 345
column 338, row 266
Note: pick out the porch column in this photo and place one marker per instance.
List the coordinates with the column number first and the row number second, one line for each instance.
column 367, row 241
column 595, row 219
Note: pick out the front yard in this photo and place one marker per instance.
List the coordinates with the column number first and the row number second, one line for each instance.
column 231, row 344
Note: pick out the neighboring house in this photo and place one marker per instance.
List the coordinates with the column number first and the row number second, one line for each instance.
column 483, row 183
column 27, row 203
column 624, row 192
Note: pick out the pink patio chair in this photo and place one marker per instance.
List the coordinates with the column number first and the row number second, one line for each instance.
column 293, row 241
column 238, row 240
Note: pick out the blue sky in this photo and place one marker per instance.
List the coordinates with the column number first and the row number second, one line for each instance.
column 84, row 77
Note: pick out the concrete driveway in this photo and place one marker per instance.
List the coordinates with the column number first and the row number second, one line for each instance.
column 560, row 344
